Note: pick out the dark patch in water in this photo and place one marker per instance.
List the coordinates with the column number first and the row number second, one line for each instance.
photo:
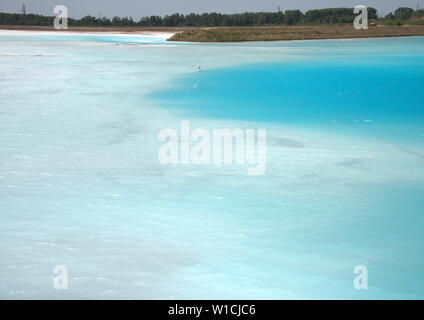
column 287, row 143
column 351, row 163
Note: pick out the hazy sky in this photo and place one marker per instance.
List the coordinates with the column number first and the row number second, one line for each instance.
column 139, row 8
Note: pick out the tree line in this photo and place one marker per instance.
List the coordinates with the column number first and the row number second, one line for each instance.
column 404, row 13
column 288, row 17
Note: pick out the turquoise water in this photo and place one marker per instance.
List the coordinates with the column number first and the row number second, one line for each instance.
column 390, row 91
column 386, row 90
column 81, row 185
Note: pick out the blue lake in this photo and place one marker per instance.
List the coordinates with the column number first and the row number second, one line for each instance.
column 81, row 184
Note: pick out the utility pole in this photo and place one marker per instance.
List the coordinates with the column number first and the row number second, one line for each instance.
column 23, row 13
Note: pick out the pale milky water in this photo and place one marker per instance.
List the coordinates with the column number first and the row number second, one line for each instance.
column 81, row 185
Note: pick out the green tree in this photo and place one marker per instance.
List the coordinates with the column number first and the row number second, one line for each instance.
column 403, row 13
column 293, row 16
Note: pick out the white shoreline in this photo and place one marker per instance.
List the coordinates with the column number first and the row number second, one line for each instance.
column 153, row 34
